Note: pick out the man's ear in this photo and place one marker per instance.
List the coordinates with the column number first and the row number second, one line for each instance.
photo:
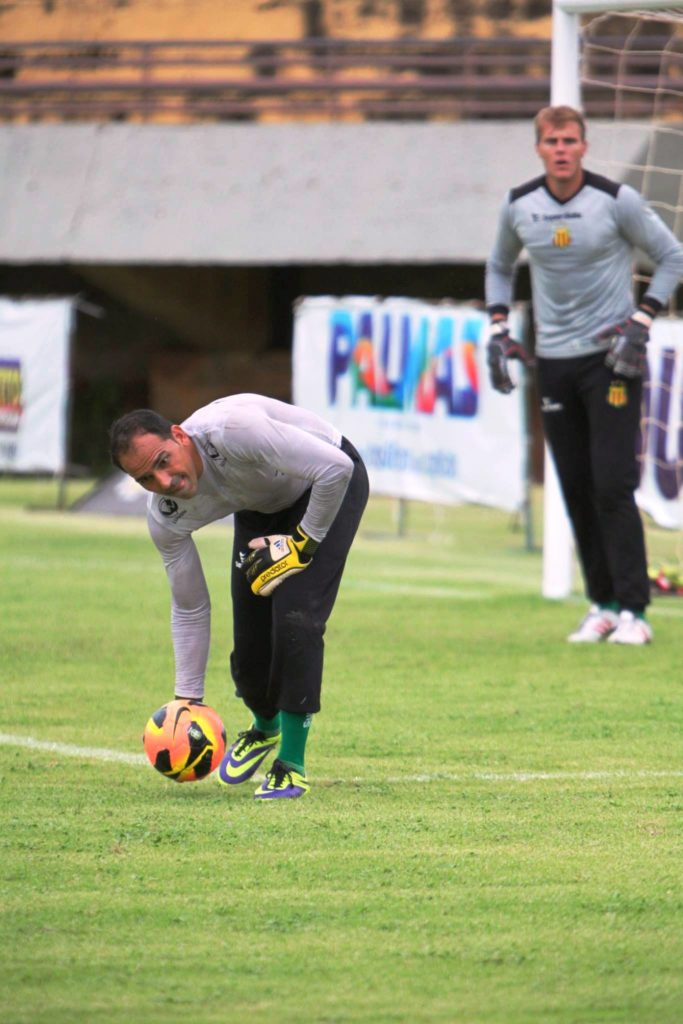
column 178, row 434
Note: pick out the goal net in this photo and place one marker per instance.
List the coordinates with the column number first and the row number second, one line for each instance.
column 631, row 79
column 622, row 64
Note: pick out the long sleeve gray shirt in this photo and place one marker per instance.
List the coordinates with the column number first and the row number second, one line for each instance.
column 257, row 454
column 580, row 254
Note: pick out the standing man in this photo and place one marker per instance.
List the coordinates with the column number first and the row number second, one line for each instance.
column 580, row 231
column 297, row 489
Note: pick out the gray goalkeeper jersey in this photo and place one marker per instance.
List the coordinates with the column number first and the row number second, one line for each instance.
column 257, row 454
column 580, row 254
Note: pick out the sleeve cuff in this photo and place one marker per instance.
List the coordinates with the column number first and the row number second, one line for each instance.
column 498, row 310
column 654, row 306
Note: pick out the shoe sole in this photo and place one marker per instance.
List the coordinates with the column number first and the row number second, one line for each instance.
column 281, row 794
column 591, row 639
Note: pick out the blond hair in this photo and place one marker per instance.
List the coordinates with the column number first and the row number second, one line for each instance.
column 557, row 117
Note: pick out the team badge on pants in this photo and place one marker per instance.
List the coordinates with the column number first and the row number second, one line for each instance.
column 617, row 394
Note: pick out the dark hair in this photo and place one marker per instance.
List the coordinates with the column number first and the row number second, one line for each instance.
column 558, row 117
column 124, row 430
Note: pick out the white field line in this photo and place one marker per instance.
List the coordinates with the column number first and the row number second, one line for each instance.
column 102, row 754
column 585, row 776
column 69, row 750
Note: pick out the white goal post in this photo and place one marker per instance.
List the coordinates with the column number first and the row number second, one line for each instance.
column 566, row 88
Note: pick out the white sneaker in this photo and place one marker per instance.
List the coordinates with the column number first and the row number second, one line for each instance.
column 596, row 626
column 631, row 630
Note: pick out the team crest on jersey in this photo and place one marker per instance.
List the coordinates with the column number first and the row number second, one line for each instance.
column 562, row 236
column 213, row 453
column 617, row 394
column 169, row 508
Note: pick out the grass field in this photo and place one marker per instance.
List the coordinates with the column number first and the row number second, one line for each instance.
column 494, row 832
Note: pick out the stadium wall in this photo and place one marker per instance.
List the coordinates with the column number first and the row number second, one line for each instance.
column 195, row 240
column 256, row 194
column 259, row 194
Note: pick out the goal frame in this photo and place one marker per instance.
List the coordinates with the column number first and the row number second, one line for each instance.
column 565, row 88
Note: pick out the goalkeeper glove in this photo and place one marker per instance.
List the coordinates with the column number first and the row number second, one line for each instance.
column 274, row 559
column 627, row 344
column 500, row 348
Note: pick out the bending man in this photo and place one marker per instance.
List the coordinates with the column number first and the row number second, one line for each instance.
column 297, row 490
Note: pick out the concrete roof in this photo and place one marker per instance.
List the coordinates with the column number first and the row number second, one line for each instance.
column 259, row 194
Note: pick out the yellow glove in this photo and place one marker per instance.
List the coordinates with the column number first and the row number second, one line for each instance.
column 273, row 559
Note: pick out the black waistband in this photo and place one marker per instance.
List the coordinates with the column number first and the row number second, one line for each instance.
column 349, row 450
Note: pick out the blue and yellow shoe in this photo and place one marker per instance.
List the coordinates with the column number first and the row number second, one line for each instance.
column 245, row 755
column 282, row 781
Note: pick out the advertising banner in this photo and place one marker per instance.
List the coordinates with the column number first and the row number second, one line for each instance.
column 661, row 491
column 406, row 381
column 34, row 375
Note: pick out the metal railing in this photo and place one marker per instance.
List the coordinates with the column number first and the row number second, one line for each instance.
column 323, row 79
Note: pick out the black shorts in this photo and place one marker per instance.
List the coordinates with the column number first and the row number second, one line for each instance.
column 277, row 658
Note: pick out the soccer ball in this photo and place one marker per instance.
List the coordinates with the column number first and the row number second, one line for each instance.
column 184, row 741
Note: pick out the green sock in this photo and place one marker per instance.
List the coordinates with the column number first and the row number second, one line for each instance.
column 270, row 726
column 295, row 730
column 610, row 606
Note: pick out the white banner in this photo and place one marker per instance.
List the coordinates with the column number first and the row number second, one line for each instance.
column 34, row 376
column 661, row 493
column 406, row 381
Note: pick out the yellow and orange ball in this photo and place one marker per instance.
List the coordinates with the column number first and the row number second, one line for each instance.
column 184, row 741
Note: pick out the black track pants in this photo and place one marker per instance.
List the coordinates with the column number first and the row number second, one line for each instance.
column 591, row 421
column 277, row 660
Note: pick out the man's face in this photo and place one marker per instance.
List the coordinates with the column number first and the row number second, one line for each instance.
column 562, row 151
column 164, row 465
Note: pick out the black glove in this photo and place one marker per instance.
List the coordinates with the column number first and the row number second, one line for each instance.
column 274, row 558
column 627, row 345
column 500, row 348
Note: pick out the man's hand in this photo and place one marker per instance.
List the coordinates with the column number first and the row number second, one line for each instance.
column 628, row 342
column 500, row 348
column 273, row 559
